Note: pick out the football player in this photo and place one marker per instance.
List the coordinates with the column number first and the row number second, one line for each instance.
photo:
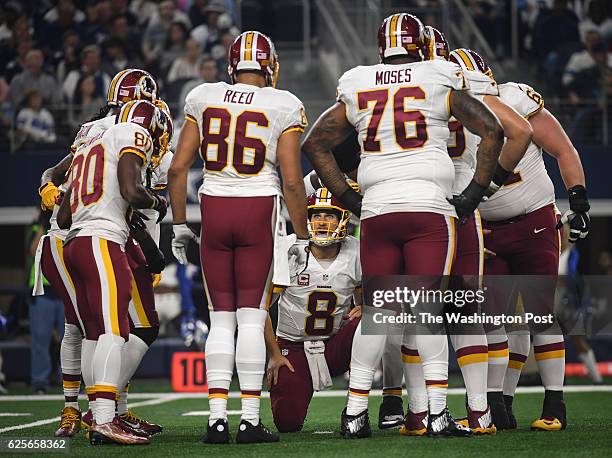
column 106, row 180
column 316, row 323
column 127, row 85
column 243, row 131
column 469, row 341
column 391, row 410
column 401, row 110
column 522, row 219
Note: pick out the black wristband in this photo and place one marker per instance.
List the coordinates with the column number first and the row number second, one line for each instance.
column 578, row 199
column 500, row 175
column 474, row 191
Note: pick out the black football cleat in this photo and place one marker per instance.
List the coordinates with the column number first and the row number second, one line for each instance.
column 444, row 425
column 218, row 433
column 391, row 412
column 511, row 418
column 254, row 434
column 355, row 426
column 553, row 416
column 499, row 413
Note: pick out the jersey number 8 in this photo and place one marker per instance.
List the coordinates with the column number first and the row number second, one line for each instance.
column 244, row 163
column 320, row 318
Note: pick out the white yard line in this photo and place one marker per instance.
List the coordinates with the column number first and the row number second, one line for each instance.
column 47, row 421
column 322, row 394
column 14, row 414
column 206, row 413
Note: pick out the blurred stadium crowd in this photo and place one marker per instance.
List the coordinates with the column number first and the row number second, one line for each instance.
column 57, row 56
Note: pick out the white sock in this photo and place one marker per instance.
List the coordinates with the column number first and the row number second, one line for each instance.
column 519, row 345
column 472, row 356
column 250, row 359
column 107, row 370
column 87, row 355
column 70, row 358
column 131, row 355
column 220, row 362
column 497, row 343
column 549, row 352
column 366, row 354
column 589, row 361
column 433, row 350
column 393, row 371
column 418, row 401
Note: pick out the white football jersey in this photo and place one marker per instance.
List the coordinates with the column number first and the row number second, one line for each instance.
column 401, row 114
column 463, row 144
column 313, row 306
column 98, row 209
column 529, row 188
column 87, row 131
column 239, row 126
column 158, row 182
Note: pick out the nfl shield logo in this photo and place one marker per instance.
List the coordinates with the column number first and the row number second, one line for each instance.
column 325, row 277
column 285, row 351
column 304, row 280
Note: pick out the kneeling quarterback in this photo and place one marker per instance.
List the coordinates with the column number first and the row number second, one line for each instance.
column 316, row 324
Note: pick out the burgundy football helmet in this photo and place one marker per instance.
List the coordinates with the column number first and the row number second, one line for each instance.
column 253, row 51
column 131, row 84
column 470, row 60
column 153, row 119
column 401, row 34
column 436, row 44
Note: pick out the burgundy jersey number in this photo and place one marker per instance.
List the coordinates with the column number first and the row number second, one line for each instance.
column 456, row 129
column 320, row 319
column 81, row 167
column 219, row 138
column 400, row 117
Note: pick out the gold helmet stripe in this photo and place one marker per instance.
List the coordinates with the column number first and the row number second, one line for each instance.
column 114, row 85
column 248, row 47
column 393, row 31
column 465, row 59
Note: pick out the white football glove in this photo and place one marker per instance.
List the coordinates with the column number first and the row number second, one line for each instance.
column 181, row 235
column 299, row 253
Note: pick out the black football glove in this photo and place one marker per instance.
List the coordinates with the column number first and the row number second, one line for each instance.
column 160, row 206
column 466, row 202
column 138, row 230
column 578, row 214
column 499, row 178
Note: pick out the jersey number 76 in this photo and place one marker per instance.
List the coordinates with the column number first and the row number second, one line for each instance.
column 401, row 116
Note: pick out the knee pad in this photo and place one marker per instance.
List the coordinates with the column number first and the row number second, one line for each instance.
column 72, row 334
column 147, row 335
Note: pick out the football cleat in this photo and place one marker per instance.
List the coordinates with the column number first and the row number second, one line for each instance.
column 253, row 434
column 114, row 433
column 511, row 418
column 553, row 416
column 415, row 424
column 218, row 433
column 444, row 425
column 130, row 429
column 70, row 423
column 135, row 422
column 87, row 422
column 499, row 414
column 355, row 426
column 479, row 422
column 391, row 412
